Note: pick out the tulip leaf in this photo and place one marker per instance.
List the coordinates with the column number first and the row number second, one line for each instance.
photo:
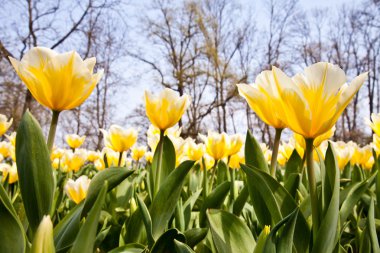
column 292, row 184
column 240, row 201
column 165, row 243
column 229, row 233
column 85, row 240
column 34, row 170
column 181, row 247
column 164, row 203
column 114, row 176
column 222, row 172
column 293, row 165
column 67, row 229
column 168, row 159
column 253, row 154
column 278, row 203
column 195, row 236
column 371, row 228
column 147, row 220
column 328, row 230
column 12, row 236
column 130, row 248
column 214, row 200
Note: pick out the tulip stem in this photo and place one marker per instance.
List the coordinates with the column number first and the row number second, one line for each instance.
column 52, row 130
column 205, row 183
column 159, row 162
column 312, row 187
column 276, row 145
column 213, row 174
column 120, row 158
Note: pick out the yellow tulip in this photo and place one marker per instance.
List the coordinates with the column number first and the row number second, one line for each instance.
column 208, row 160
column 74, row 161
column 5, row 149
column 375, row 123
column 343, row 153
column 12, row 138
column 74, row 140
column 57, row 81
column 119, row 139
column 217, row 145
column 236, row 143
column 77, row 190
column 153, row 135
column 113, row 157
column 4, row 124
column 57, row 153
column 94, row 155
column 149, row 156
column 194, row 151
column 10, row 172
column 43, row 241
column 236, row 160
column 264, row 99
column 166, row 109
column 138, row 153
column 301, row 144
column 99, row 164
column 313, row 101
column 56, row 163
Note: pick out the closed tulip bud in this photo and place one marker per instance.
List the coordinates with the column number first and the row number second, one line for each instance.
column 133, row 205
column 4, row 124
column 217, row 145
column 74, row 140
column 57, row 81
column 77, row 190
column 138, row 153
column 166, row 109
column 43, row 241
column 119, row 139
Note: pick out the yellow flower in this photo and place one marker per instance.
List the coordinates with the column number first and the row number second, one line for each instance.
column 194, row 151
column 343, row 153
column 119, row 139
column 56, row 163
column 5, row 149
column 12, row 138
column 166, row 109
column 209, row 162
column 301, row 144
column 313, row 101
column 264, row 99
column 94, row 155
column 74, row 140
column 149, row 156
column 4, row 124
column 74, row 161
column 236, row 160
column 113, row 157
column 77, row 190
column 153, row 135
column 266, row 151
column 363, row 156
column 57, row 81
column 217, row 145
column 99, row 164
column 236, row 142
column 9, row 171
column 375, row 123
column 138, row 153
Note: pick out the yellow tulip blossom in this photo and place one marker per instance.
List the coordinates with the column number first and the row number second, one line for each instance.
column 5, row 149
column 217, row 145
column 94, row 155
column 149, row 156
column 4, row 124
column 99, row 164
column 56, row 163
column 119, row 139
column 113, row 157
column 73, row 161
column 374, row 123
column 57, row 153
column 208, row 160
column 57, row 81
column 12, row 138
column 194, row 151
column 74, row 140
column 343, row 153
column 153, row 135
column 77, row 190
column 138, row 153
column 376, row 144
column 10, row 172
column 166, row 109
column 236, row 160
column 43, row 241
column 313, row 101
column 362, row 156
column 236, row 143
column 264, row 99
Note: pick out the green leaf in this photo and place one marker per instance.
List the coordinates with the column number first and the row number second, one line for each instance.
column 188, row 206
column 168, row 159
column 147, row 220
column 195, row 236
column 214, row 200
column 292, row 184
column 229, row 233
column 165, row 201
column 85, row 240
column 129, row 248
column 166, row 241
column 67, row 229
column 371, row 228
column 223, row 174
column 293, row 165
column 254, row 155
column 12, row 236
column 278, row 202
column 328, row 230
column 180, row 247
column 34, row 170
column 114, row 176
column 241, row 200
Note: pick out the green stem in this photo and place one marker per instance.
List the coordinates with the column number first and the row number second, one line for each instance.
column 232, row 184
column 276, row 145
column 205, row 185
column 213, row 174
column 120, row 158
column 312, row 187
column 159, row 162
column 52, row 130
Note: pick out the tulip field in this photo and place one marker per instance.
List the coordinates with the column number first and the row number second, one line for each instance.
column 218, row 192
